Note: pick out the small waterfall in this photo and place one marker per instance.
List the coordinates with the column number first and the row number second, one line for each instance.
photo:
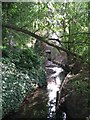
column 53, row 83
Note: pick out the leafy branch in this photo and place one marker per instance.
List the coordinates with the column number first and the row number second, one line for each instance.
column 25, row 31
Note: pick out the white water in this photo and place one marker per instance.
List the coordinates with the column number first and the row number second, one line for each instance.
column 54, row 82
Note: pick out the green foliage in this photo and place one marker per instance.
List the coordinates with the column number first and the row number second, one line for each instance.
column 81, row 84
column 21, row 73
column 22, row 66
column 48, row 18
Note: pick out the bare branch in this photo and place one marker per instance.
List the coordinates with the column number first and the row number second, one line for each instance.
column 73, row 42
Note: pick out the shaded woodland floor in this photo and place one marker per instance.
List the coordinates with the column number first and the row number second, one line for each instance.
column 74, row 100
column 34, row 106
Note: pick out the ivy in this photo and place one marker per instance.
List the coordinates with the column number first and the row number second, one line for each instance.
column 21, row 73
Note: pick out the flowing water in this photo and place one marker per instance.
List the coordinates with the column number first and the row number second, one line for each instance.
column 42, row 103
column 54, row 81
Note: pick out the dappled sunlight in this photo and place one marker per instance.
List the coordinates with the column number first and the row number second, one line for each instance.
column 36, row 107
column 45, row 59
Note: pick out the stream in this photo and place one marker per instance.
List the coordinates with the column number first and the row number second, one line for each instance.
column 54, row 80
column 42, row 102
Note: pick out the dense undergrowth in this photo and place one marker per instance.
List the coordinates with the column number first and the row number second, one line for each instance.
column 22, row 68
column 77, row 95
column 22, row 72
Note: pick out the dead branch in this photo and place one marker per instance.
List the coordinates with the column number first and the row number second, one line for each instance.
column 67, row 78
column 73, row 42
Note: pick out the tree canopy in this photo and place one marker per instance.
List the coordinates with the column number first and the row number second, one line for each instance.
column 25, row 23
column 68, row 21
